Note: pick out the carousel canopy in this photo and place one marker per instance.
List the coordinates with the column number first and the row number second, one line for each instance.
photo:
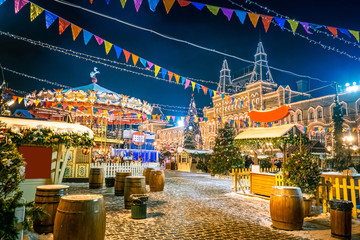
column 272, row 132
column 59, row 127
column 93, row 87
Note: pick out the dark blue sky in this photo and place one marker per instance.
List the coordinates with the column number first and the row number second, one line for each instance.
column 201, row 27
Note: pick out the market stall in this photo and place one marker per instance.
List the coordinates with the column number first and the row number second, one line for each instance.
column 46, row 146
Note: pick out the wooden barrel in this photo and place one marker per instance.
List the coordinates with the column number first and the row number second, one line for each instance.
column 120, row 182
column 133, row 185
column 286, row 208
column 96, row 178
column 146, row 174
column 48, row 197
column 157, row 181
column 80, row 217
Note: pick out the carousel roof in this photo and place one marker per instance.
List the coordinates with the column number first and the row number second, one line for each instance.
column 94, row 87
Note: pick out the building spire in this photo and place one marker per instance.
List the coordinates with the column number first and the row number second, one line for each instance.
column 261, row 71
column 225, row 77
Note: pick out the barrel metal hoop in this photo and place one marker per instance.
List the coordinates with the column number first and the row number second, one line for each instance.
column 76, row 213
column 47, row 202
column 291, row 196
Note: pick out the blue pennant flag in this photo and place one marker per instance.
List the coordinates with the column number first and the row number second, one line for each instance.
column 241, row 15
column 49, row 18
column 198, row 87
column 118, row 51
column 2, row 1
column 222, row 96
column 280, row 22
column 219, row 119
column 232, row 100
column 107, row 2
column 143, row 62
column 59, row 105
column 210, row 92
column 149, row 116
column 153, row 4
column 199, row 6
column 316, row 26
column 163, row 72
column 182, row 80
column 345, row 31
column 87, row 36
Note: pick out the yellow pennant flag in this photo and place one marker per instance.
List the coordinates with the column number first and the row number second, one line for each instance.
column 157, row 69
column 250, row 124
column 254, row 18
column 223, row 120
column 353, row 129
column 213, row 9
column 236, row 101
column 320, row 128
column 330, row 129
column 168, row 118
column 123, row 3
column 153, row 116
column 168, row 5
column 139, row 115
column 355, row 34
column 75, row 31
column 177, row 78
column 214, row 93
column 196, row 119
column 20, row 99
column 37, row 102
column 35, row 11
column 135, row 59
column 70, row 107
column 108, row 46
column 105, row 112
column 293, row 24
column 193, row 85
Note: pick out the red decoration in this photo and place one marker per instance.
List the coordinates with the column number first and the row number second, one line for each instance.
column 270, row 116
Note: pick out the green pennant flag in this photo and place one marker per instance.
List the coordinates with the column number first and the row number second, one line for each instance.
column 123, row 3
column 293, row 24
column 355, row 34
column 213, row 9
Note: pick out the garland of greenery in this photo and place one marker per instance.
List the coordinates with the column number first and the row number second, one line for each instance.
column 47, row 137
column 291, row 138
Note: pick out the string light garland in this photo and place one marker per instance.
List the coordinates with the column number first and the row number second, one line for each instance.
column 35, row 78
column 180, row 40
column 327, row 47
column 170, row 106
column 310, row 26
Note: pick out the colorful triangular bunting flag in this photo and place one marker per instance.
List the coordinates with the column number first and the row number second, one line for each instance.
column 35, row 11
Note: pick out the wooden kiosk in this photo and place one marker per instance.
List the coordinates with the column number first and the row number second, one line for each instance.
column 45, row 165
column 186, row 162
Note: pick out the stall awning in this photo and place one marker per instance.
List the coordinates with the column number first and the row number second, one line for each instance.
column 261, row 133
column 59, row 127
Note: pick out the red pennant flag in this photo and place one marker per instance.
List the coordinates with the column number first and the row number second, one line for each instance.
column 15, row 98
column 266, row 21
column 120, row 114
column 170, row 75
column 205, row 89
column 48, row 104
column 127, row 55
column 183, row 3
column 63, row 24
column 91, row 1
column 128, row 114
column 333, row 30
column 158, row 117
column 75, row 31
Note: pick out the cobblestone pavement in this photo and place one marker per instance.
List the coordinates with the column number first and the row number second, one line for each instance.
column 192, row 206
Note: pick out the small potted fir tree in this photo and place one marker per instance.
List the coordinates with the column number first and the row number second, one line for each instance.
column 300, row 171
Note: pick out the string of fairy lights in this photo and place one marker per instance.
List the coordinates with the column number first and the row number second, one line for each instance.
column 313, row 28
column 324, row 46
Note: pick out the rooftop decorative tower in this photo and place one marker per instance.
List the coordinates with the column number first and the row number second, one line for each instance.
column 261, row 71
column 225, row 78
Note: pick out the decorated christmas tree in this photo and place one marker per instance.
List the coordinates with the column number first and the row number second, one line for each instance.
column 192, row 133
column 340, row 161
column 226, row 154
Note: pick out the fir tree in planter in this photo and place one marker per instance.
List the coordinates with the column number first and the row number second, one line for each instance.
column 12, row 170
column 300, row 171
column 226, row 154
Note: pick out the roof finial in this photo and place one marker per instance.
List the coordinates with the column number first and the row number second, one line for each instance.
column 93, row 75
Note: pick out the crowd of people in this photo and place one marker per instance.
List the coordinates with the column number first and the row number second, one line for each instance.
column 108, row 158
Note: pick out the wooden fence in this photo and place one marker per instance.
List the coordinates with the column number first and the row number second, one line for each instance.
column 135, row 168
column 335, row 187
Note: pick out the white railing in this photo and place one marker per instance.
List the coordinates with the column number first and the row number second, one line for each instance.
column 135, row 168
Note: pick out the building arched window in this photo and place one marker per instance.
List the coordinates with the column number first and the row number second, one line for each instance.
column 299, row 117
column 319, row 113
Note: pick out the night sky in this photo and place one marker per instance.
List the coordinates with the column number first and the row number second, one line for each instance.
column 284, row 50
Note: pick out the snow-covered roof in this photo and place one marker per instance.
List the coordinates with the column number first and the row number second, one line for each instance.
column 60, row 127
column 198, row 151
column 272, row 132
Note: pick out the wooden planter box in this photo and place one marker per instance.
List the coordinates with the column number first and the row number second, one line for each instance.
column 262, row 183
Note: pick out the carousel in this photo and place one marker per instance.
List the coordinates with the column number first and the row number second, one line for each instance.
column 107, row 113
